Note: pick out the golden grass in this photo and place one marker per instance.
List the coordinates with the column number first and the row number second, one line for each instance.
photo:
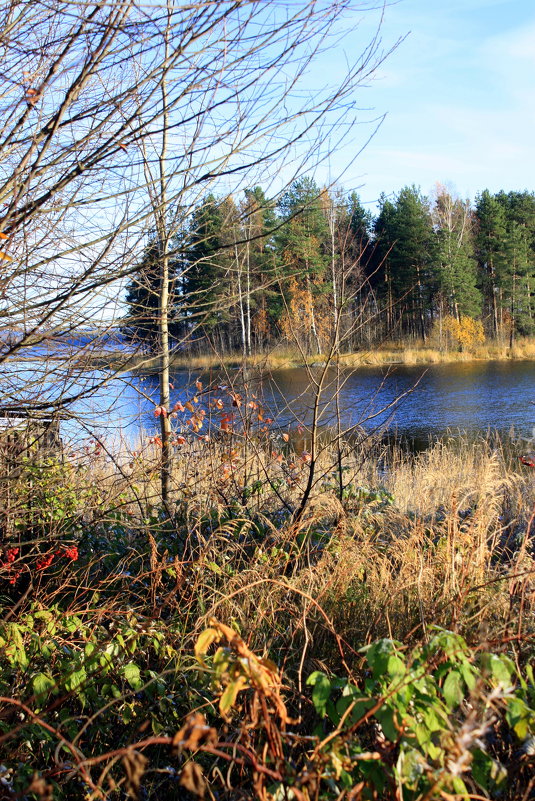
column 400, row 353
column 441, row 552
column 391, row 353
column 283, row 357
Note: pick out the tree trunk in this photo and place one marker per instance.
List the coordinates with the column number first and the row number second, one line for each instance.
column 163, row 236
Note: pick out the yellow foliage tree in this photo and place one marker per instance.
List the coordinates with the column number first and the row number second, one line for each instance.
column 465, row 331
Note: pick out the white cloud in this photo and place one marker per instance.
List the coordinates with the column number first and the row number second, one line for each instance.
column 460, row 97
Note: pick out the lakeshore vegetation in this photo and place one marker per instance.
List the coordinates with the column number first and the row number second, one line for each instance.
column 377, row 646
column 252, row 275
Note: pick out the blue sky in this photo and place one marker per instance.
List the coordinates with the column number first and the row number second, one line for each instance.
column 459, row 98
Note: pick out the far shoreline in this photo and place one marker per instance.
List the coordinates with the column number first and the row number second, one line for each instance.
column 284, row 359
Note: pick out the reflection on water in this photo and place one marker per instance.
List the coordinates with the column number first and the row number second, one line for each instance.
column 415, row 402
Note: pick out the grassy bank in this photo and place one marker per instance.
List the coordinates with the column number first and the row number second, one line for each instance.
column 376, row 646
column 282, row 358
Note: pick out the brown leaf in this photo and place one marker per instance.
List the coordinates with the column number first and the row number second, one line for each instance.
column 194, row 733
column 32, row 96
column 41, row 788
column 134, row 765
column 191, row 777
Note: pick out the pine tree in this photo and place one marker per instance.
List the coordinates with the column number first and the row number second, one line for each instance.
column 518, row 280
column 303, row 243
column 380, row 276
column 457, row 267
column 408, row 245
column 490, row 247
column 262, row 299
column 209, row 268
column 519, row 252
column 143, row 299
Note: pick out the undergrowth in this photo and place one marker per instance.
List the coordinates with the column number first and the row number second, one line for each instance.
column 378, row 645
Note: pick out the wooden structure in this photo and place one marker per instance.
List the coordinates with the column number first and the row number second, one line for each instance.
column 26, row 438
column 25, row 434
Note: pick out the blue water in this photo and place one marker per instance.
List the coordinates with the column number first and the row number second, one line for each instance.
column 415, row 402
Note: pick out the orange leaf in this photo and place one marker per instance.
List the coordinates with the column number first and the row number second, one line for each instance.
column 4, row 236
column 5, row 256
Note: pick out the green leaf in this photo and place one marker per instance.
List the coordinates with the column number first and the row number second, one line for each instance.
column 90, row 649
column 204, row 641
column 385, row 716
column 469, row 674
column 395, row 666
column 518, row 716
column 321, row 691
column 500, row 670
column 433, row 720
column 378, row 656
column 459, row 787
column 435, row 752
column 228, row 698
column 132, row 675
column 410, row 767
column 75, row 680
column 453, row 689
column 486, row 771
column 42, row 684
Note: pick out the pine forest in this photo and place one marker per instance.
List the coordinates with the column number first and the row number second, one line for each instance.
column 248, row 274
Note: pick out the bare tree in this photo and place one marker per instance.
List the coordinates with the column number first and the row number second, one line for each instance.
column 115, row 120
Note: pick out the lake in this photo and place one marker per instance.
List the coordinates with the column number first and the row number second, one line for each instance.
column 415, row 402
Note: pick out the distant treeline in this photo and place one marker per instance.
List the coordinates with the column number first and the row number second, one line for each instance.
column 316, row 265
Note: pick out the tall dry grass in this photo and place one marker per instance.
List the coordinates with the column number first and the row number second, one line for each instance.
column 283, row 357
column 443, row 539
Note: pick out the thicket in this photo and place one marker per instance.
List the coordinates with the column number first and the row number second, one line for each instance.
column 376, row 643
column 252, row 273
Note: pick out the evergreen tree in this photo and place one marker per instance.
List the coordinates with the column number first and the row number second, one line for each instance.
column 518, row 280
column 490, row 247
column 262, row 298
column 353, row 250
column 143, row 299
column 209, row 268
column 361, row 222
column 519, row 252
column 457, row 267
column 303, row 242
column 381, row 270
column 408, row 246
